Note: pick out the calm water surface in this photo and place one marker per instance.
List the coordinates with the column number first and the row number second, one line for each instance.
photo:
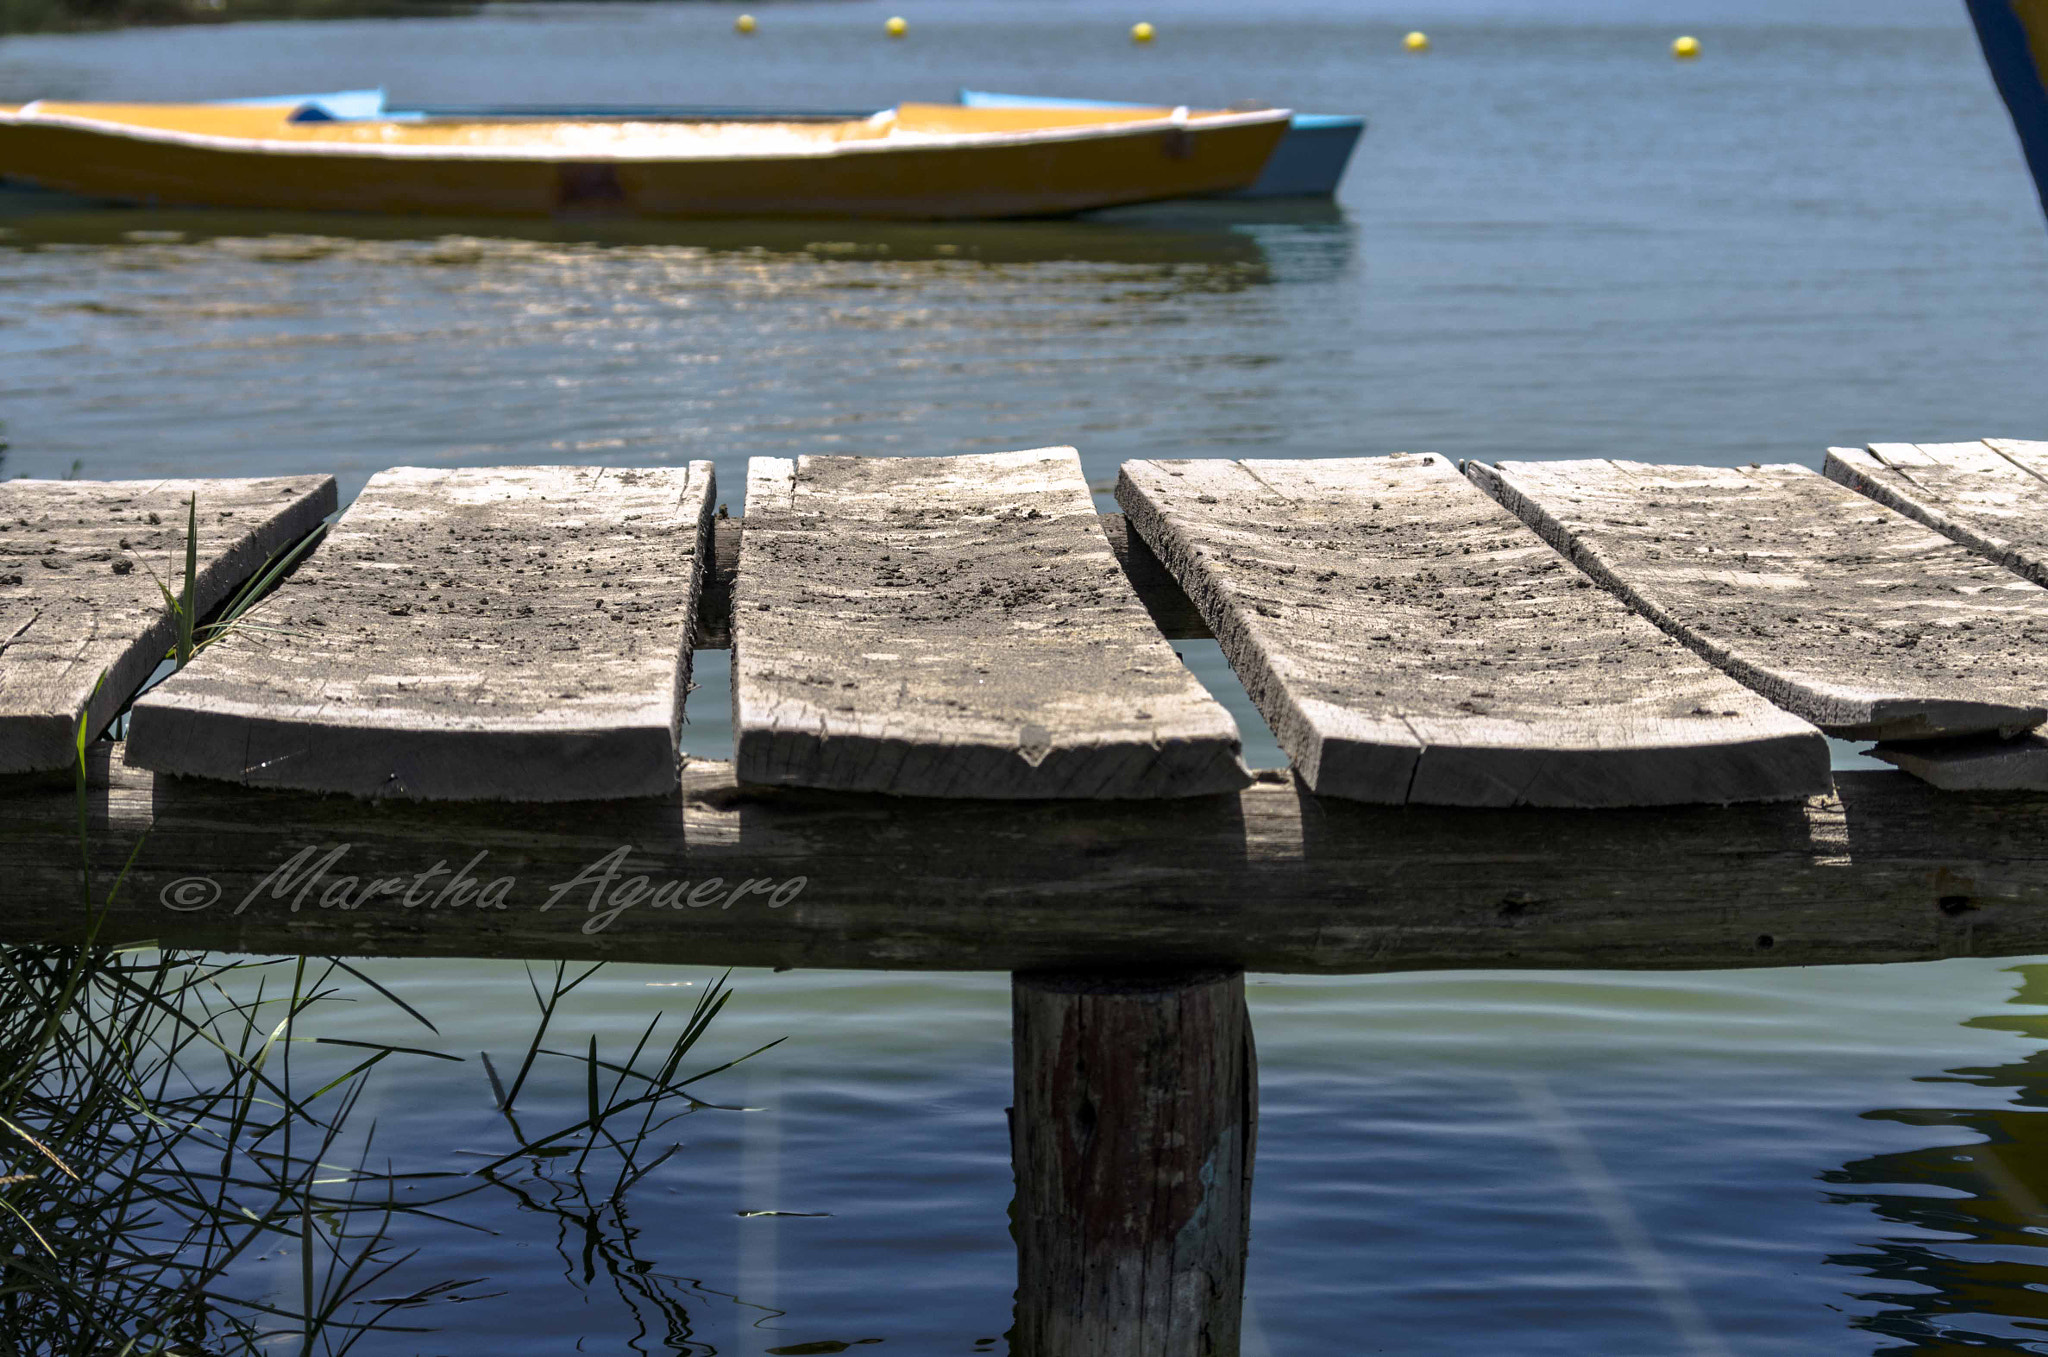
column 1554, row 242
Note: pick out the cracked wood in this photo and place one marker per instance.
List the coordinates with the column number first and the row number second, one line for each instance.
column 515, row 634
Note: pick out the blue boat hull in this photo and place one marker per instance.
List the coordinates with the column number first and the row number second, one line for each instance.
column 1308, row 163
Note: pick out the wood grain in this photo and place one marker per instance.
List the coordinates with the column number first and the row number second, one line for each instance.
column 1133, row 1140
column 511, row 633
column 955, row 626
column 1161, row 594
column 80, row 567
column 1968, row 492
column 1835, row 608
column 1409, row 641
column 1271, row 878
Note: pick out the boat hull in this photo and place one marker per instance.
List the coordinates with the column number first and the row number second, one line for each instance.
column 1309, row 162
column 984, row 178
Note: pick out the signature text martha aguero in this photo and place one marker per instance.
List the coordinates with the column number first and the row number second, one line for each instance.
column 320, row 878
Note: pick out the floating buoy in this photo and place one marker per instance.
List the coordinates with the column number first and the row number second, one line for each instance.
column 743, row 24
column 1141, row 32
column 1686, row 48
column 1416, row 42
column 896, row 28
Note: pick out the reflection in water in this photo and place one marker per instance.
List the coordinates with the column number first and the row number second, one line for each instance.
column 597, row 1246
column 1181, row 233
column 1969, row 1269
column 200, row 343
column 1653, row 1268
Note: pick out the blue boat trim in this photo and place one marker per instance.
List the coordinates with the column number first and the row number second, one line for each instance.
column 1308, row 163
column 339, row 106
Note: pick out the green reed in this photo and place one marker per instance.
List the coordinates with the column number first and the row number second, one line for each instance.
column 156, row 1147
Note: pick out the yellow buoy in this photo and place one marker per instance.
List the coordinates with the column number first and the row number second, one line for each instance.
column 1686, row 48
column 1141, row 32
column 743, row 24
column 1416, row 42
column 896, row 28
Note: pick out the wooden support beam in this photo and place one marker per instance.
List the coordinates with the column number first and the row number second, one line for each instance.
column 1837, row 609
column 1132, row 1138
column 955, row 626
column 83, row 564
column 1271, row 878
column 505, row 634
column 1409, row 640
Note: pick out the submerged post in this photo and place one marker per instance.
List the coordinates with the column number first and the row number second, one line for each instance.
column 1132, row 1138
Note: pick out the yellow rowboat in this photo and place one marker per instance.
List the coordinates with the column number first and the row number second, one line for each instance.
column 917, row 161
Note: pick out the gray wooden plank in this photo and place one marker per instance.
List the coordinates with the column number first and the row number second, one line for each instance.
column 80, row 563
column 507, row 633
column 1835, row 608
column 955, row 626
column 1982, row 763
column 1409, row 641
column 1968, row 492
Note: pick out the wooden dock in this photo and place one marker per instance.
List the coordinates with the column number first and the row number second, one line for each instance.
column 1568, row 722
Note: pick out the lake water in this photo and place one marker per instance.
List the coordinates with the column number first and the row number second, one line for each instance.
column 1554, row 242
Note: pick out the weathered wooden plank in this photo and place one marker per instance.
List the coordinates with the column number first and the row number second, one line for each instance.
column 955, row 626
column 80, row 565
column 1968, row 492
column 1835, row 608
column 1271, row 878
column 1161, row 594
column 1132, row 1136
column 1409, row 641
column 510, row 633
column 1982, row 763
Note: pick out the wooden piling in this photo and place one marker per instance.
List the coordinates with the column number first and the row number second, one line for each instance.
column 1132, row 1137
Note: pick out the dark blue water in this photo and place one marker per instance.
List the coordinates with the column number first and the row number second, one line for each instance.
column 1555, row 241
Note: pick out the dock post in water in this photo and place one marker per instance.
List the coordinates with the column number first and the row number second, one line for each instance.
column 1133, row 1133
